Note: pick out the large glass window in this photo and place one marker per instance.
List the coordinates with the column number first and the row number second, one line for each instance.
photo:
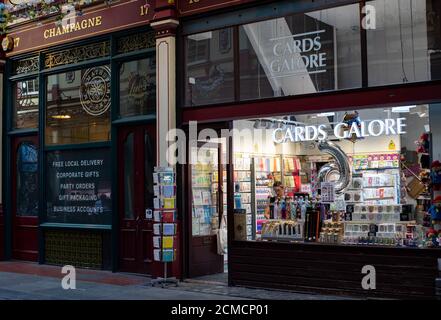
column 209, row 67
column 25, row 114
column 358, row 177
column 78, row 188
column 405, row 44
column 302, row 53
column 78, row 106
column 393, row 42
column 137, row 87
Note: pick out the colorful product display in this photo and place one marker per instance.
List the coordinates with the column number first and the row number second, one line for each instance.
column 164, row 215
column 204, row 198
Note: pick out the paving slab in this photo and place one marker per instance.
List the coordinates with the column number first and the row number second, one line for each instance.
column 30, row 281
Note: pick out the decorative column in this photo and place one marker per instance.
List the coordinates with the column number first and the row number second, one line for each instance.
column 165, row 24
column 2, row 101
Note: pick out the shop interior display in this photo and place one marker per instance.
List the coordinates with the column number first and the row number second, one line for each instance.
column 205, row 213
column 348, row 189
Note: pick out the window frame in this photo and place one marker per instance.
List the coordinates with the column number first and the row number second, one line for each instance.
column 41, row 74
column 265, row 12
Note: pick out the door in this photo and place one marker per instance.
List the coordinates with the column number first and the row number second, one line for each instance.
column 206, row 207
column 136, row 150
column 25, row 198
column 2, row 234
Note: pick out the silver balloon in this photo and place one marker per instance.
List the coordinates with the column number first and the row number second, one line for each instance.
column 340, row 166
column 328, row 171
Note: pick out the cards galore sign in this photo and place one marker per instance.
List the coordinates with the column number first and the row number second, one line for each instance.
column 298, row 53
column 372, row 128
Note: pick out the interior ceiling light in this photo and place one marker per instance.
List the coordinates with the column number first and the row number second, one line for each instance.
column 402, row 109
column 61, row 116
column 326, row 114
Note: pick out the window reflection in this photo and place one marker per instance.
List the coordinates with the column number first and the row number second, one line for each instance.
column 210, row 67
column 25, row 113
column 299, row 54
column 405, row 45
column 138, row 87
column 78, row 106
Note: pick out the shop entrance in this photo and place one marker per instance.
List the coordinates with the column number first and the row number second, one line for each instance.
column 25, row 198
column 136, row 158
column 208, row 207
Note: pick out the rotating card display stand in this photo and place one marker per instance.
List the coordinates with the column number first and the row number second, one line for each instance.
column 164, row 217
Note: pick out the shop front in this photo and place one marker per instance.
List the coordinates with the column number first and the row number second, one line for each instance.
column 323, row 153
column 81, row 139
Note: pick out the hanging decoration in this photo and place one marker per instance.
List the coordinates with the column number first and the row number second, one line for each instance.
column 35, row 9
column 350, row 119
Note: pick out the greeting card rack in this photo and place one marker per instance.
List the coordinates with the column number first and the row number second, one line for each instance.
column 165, row 223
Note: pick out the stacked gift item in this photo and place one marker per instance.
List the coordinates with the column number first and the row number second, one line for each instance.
column 164, row 215
column 433, row 233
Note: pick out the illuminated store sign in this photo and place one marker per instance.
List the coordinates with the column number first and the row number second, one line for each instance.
column 364, row 129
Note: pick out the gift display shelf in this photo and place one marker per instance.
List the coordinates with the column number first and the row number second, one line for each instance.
column 203, row 199
column 263, row 189
column 283, row 230
column 243, row 179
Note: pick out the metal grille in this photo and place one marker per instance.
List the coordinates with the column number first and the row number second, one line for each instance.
column 136, row 42
column 26, row 65
column 76, row 248
column 77, row 54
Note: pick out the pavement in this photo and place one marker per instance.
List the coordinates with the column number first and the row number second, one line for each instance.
column 31, row 281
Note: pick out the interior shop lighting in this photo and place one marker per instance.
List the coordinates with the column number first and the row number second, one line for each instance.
column 61, row 116
column 201, row 36
column 402, row 109
column 325, row 114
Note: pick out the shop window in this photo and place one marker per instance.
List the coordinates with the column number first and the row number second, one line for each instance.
column 405, row 45
column 138, row 87
column 27, row 179
column 78, row 188
column 209, row 67
column 25, row 104
column 78, row 106
column 352, row 177
column 300, row 54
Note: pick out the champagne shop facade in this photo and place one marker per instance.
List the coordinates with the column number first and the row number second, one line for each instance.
column 80, row 137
